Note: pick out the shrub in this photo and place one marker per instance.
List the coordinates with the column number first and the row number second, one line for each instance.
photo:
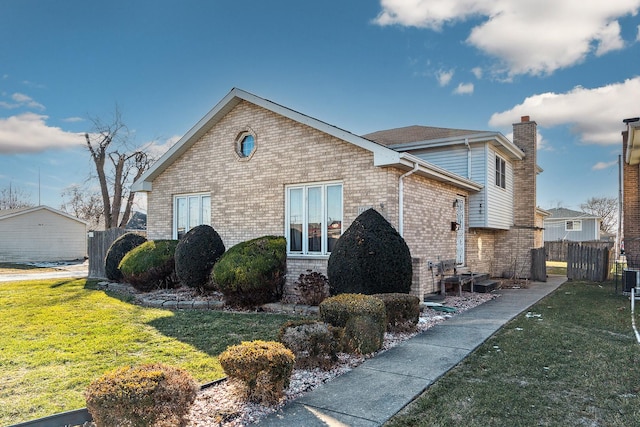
column 118, row 249
column 370, row 258
column 363, row 318
column 146, row 395
column 312, row 287
column 264, row 367
column 252, row 273
column 403, row 311
column 314, row 344
column 196, row 253
column 150, row 265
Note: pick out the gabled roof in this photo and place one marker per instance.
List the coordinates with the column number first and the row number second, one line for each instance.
column 10, row 213
column 418, row 137
column 382, row 156
column 564, row 213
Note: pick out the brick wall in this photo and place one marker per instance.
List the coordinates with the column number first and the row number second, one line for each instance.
column 513, row 247
column 631, row 207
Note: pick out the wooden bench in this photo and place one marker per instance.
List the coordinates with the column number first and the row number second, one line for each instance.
column 447, row 272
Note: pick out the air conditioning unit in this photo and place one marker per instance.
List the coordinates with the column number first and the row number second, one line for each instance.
column 631, row 279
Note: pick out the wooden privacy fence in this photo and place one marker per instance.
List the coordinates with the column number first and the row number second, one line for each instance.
column 538, row 265
column 98, row 244
column 558, row 251
column 587, row 263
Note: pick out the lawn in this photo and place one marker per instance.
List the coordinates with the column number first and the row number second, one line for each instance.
column 572, row 359
column 56, row 336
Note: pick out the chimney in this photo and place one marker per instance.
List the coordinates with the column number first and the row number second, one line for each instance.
column 525, row 172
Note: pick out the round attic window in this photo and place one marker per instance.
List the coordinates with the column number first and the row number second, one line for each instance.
column 245, row 145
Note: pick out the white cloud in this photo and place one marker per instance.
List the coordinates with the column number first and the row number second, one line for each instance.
column 464, row 89
column 28, row 132
column 594, row 114
column 638, row 36
column 603, row 165
column 155, row 149
column 477, row 71
column 21, row 100
column 444, row 77
column 73, row 119
column 527, row 36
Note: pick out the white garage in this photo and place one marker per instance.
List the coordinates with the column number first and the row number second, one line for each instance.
column 41, row 233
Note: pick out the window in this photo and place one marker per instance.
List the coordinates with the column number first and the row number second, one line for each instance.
column 501, row 174
column 573, row 225
column 314, row 218
column 190, row 210
column 245, row 144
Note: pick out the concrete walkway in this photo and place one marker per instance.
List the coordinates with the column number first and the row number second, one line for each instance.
column 375, row 391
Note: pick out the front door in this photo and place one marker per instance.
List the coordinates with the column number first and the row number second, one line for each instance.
column 460, row 235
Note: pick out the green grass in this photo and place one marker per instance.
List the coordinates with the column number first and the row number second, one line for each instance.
column 56, row 336
column 557, row 267
column 573, row 361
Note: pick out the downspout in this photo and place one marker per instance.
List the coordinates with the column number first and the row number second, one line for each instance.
column 466, row 142
column 401, row 198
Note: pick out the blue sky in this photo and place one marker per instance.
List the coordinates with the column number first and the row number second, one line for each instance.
column 572, row 66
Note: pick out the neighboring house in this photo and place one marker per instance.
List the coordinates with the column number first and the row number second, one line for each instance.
column 566, row 224
column 41, row 233
column 252, row 167
column 631, row 192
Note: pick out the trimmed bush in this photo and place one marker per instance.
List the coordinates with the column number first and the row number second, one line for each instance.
column 196, row 253
column 312, row 287
column 150, row 265
column 147, row 395
column 118, row 249
column 252, row 273
column 363, row 318
column 403, row 311
column 370, row 258
column 315, row 344
column 264, row 367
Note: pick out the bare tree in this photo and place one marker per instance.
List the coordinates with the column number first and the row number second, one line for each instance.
column 83, row 203
column 117, row 166
column 606, row 208
column 14, row 198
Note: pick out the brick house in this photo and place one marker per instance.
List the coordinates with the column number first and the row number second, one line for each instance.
column 252, row 167
column 631, row 191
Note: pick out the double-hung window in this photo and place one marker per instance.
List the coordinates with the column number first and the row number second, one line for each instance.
column 573, row 225
column 190, row 210
column 501, row 172
column 314, row 218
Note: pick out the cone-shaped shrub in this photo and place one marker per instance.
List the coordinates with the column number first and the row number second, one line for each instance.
column 370, row 258
column 196, row 253
column 252, row 273
column 150, row 265
column 118, row 249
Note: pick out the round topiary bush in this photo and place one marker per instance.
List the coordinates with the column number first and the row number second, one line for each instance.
column 363, row 318
column 147, row 395
column 117, row 251
column 252, row 273
column 370, row 258
column 264, row 367
column 150, row 265
column 315, row 344
column 196, row 253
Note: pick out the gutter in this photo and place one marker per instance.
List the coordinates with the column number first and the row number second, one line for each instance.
column 401, row 198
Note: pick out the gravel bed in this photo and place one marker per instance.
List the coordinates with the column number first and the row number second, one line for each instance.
column 222, row 404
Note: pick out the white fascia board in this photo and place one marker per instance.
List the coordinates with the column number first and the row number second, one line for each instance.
column 496, row 138
column 43, row 207
column 432, row 171
column 633, row 144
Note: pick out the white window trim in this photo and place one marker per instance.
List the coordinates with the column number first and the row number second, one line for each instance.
column 574, row 223
column 305, row 227
column 502, row 160
column 186, row 196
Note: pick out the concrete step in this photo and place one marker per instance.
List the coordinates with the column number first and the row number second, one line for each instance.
column 482, row 286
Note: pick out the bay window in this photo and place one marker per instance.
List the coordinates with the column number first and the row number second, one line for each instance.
column 313, row 218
